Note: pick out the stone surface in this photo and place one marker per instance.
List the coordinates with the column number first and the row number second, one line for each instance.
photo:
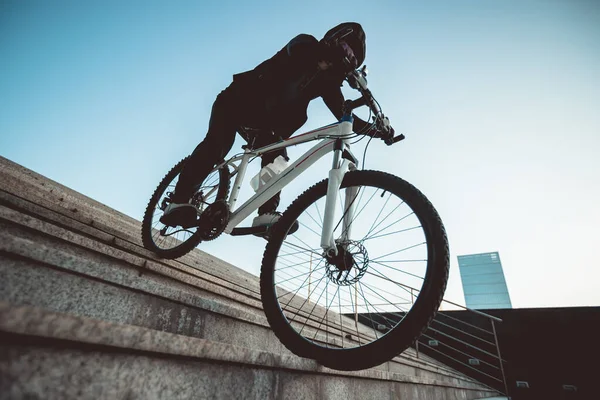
column 89, row 374
column 21, row 323
column 87, row 312
column 60, row 253
column 90, row 275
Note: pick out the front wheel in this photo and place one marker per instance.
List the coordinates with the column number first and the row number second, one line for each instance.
column 372, row 300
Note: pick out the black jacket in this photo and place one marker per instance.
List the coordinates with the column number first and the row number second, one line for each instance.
column 283, row 86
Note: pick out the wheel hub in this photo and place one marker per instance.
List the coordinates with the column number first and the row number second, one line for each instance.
column 349, row 265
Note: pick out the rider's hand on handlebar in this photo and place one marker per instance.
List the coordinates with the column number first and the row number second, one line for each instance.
column 382, row 128
column 384, row 131
column 382, row 134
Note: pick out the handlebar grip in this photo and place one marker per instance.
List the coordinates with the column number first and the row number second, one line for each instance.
column 394, row 140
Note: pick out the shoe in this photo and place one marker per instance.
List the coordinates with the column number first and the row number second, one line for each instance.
column 268, row 219
column 184, row 215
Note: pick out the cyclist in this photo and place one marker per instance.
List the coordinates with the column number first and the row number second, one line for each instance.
column 273, row 97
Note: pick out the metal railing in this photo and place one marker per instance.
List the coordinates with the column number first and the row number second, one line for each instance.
column 471, row 347
column 469, row 344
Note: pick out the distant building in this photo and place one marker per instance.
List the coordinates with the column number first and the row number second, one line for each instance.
column 483, row 281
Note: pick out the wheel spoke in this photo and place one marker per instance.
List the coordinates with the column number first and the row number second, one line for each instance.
column 314, row 220
column 390, row 225
column 345, row 301
column 308, row 250
column 397, row 269
column 319, row 214
column 399, row 251
column 326, row 312
column 379, row 214
column 389, row 234
column 302, row 306
column 367, row 305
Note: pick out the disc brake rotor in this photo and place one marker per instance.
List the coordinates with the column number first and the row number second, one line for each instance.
column 349, row 265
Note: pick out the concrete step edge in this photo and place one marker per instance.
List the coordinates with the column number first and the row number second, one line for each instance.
column 81, row 265
column 212, row 305
column 31, row 321
column 34, row 184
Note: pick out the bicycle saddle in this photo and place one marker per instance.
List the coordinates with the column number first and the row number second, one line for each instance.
column 256, row 137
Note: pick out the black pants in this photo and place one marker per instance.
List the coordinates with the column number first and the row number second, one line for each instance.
column 233, row 107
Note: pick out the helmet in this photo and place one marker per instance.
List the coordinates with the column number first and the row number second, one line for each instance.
column 348, row 40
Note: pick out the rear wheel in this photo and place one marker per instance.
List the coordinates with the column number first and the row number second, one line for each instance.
column 173, row 242
column 372, row 300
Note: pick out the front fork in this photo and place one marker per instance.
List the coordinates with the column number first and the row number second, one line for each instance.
column 336, row 176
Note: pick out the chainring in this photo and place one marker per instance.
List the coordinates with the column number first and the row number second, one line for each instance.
column 213, row 220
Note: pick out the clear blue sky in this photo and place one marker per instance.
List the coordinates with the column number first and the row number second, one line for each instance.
column 499, row 101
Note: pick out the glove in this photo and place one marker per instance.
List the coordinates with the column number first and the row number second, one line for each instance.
column 382, row 129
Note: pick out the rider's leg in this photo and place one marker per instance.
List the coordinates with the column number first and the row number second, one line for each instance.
column 215, row 146
column 217, row 143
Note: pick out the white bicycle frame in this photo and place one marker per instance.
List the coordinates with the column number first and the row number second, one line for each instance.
column 340, row 133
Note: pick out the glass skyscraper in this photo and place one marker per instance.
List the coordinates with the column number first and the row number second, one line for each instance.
column 483, row 281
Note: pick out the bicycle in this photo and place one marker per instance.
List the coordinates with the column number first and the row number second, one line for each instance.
column 324, row 294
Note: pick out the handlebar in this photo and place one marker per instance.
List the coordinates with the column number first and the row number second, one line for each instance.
column 357, row 80
column 395, row 139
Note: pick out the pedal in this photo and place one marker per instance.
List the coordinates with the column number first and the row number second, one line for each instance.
column 257, row 231
column 260, row 231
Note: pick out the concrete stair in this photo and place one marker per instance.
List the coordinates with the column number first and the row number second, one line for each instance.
column 87, row 312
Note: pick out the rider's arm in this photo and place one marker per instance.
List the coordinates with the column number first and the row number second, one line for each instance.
column 306, row 49
column 303, row 48
column 334, row 100
column 298, row 53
